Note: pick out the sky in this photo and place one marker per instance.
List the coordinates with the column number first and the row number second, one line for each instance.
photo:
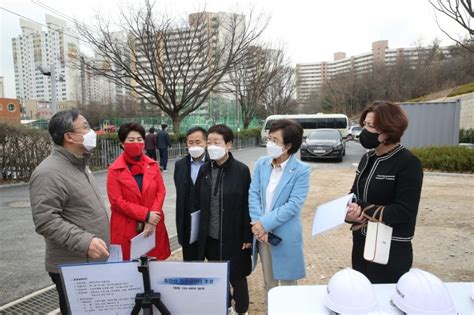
column 310, row 30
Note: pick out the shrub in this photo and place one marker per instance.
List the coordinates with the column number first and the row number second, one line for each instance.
column 248, row 133
column 463, row 89
column 178, row 138
column 466, row 135
column 21, row 150
column 456, row 159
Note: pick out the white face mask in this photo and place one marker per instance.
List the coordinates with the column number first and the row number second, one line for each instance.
column 196, row 152
column 216, row 152
column 90, row 140
column 274, row 150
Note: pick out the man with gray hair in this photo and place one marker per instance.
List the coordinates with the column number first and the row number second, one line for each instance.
column 67, row 208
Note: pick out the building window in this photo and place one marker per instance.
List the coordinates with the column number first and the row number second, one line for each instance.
column 11, row 108
column 1, row 107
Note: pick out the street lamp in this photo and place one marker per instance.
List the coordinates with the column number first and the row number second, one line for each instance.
column 51, row 72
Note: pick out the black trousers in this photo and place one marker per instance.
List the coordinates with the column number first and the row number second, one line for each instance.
column 151, row 154
column 190, row 251
column 163, row 158
column 62, row 296
column 240, row 289
column 399, row 262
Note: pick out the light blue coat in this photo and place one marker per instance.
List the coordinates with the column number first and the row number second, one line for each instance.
column 284, row 219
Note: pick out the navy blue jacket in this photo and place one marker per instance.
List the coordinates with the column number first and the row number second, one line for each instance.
column 163, row 140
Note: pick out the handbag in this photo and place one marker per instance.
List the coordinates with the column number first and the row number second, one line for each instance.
column 378, row 239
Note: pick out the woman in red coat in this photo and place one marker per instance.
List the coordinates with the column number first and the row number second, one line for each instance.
column 136, row 194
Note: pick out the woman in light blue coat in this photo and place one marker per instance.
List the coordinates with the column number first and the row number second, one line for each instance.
column 277, row 193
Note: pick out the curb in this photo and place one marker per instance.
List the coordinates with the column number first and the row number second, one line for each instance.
column 26, row 183
column 12, row 185
column 427, row 173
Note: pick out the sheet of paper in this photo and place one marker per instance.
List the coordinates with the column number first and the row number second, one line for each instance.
column 115, row 253
column 96, row 289
column 331, row 215
column 104, row 288
column 140, row 245
column 195, row 217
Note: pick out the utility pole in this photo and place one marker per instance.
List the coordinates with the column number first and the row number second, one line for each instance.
column 83, row 81
column 51, row 72
column 238, row 118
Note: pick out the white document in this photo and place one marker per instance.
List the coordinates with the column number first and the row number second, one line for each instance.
column 195, row 216
column 331, row 215
column 140, row 245
column 96, row 289
column 115, row 253
column 195, row 288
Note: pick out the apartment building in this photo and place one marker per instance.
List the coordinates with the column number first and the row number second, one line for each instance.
column 311, row 76
column 202, row 39
column 37, row 49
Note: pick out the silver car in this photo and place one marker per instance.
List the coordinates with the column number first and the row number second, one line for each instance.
column 354, row 132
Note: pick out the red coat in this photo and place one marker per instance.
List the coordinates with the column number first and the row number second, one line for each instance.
column 129, row 205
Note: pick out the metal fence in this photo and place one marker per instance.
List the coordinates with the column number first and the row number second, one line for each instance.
column 105, row 153
column 432, row 124
column 186, row 123
column 108, row 150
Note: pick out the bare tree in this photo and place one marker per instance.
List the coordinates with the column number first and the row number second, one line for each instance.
column 279, row 95
column 312, row 103
column 459, row 11
column 251, row 79
column 172, row 65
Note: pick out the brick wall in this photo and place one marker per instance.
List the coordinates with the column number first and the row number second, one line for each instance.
column 10, row 110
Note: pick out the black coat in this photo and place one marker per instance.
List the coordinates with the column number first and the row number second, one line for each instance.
column 235, row 228
column 185, row 190
column 394, row 181
column 184, row 198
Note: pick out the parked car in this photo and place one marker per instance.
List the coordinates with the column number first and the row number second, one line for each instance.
column 354, row 132
column 323, row 144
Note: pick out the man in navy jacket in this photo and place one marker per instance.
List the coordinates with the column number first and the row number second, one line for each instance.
column 163, row 143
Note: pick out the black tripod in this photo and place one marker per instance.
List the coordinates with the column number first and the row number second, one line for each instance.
column 149, row 298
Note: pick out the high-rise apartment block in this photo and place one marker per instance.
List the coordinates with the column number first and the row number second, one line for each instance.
column 311, row 76
column 36, row 50
column 39, row 49
column 191, row 50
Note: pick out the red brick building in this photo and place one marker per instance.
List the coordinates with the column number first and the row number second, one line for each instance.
column 10, row 110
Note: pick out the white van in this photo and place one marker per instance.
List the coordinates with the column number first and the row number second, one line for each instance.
column 310, row 122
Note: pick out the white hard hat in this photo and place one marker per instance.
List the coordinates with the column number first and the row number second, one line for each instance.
column 420, row 292
column 350, row 292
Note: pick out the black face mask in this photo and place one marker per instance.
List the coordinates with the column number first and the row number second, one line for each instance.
column 369, row 140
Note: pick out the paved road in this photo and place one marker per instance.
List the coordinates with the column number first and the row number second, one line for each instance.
column 22, row 250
